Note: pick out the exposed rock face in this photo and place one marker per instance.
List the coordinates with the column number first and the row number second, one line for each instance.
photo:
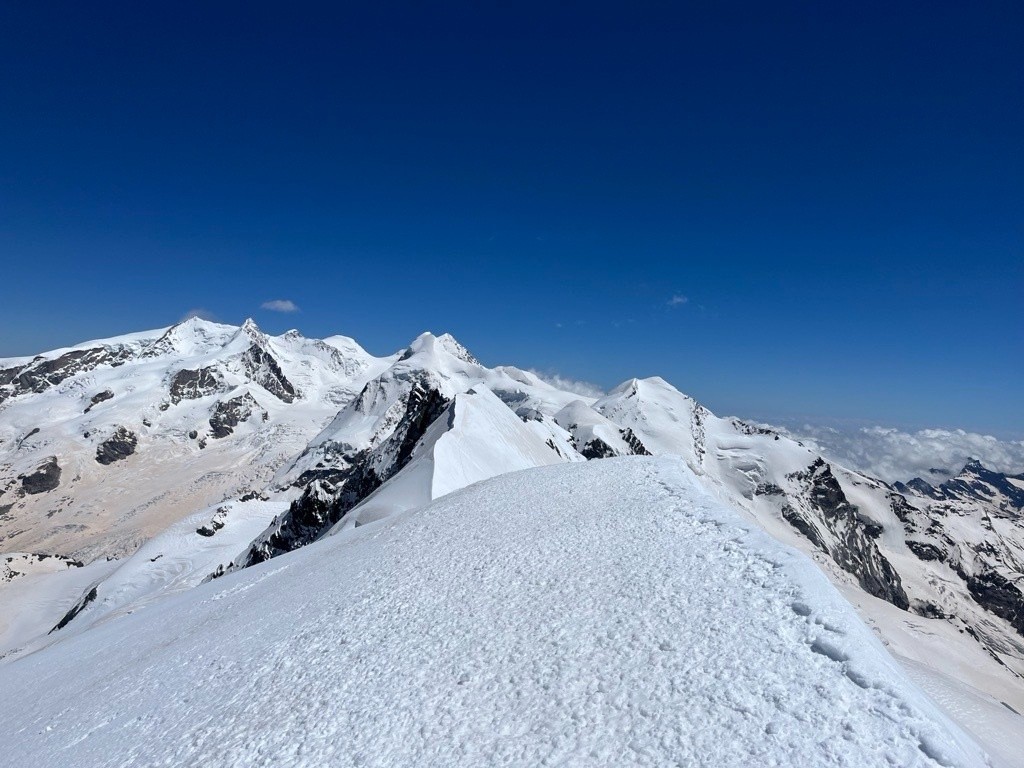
column 637, row 447
column 45, row 478
column 596, row 448
column 330, row 492
column 823, row 507
column 972, row 523
column 191, row 385
column 974, row 483
column 41, row 374
column 925, row 551
column 1000, row 596
column 98, row 398
column 264, row 370
column 82, row 604
column 215, row 524
column 17, row 564
column 118, row 446
column 230, row 413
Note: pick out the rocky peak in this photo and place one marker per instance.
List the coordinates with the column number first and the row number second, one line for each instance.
column 821, row 511
column 250, row 327
column 262, row 368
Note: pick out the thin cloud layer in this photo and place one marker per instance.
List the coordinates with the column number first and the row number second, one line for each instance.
column 280, row 305
column 577, row 387
column 891, row 454
column 200, row 313
column 677, row 300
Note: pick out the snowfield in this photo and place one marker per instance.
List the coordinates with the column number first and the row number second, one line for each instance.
column 603, row 613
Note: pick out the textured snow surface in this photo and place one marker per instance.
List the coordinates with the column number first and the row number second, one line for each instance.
column 609, row 613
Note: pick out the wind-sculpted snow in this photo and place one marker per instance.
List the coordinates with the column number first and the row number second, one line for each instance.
column 609, row 613
column 476, row 438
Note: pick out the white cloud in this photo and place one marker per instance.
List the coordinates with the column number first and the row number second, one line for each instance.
column 891, row 454
column 677, row 300
column 280, row 305
column 202, row 314
column 577, row 387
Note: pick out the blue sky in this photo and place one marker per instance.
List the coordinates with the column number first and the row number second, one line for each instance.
column 834, row 194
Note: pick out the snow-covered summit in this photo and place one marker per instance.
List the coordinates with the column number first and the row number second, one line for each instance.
column 435, row 348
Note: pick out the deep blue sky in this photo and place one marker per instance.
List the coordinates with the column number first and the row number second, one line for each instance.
column 836, row 189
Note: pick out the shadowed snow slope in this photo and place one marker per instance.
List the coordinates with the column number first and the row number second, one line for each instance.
column 609, row 613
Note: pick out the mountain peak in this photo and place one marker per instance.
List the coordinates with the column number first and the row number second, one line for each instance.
column 249, row 326
column 635, row 386
column 428, row 343
column 190, row 336
column 973, row 465
column 249, row 330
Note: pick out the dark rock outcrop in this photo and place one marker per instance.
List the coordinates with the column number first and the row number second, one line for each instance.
column 331, row 492
column 999, row 595
column 82, row 604
column 230, row 413
column 42, row 373
column 263, row 369
column 117, row 447
column 45, row 478
column 926, row 551
column 635, row 446
column 98, row 398
column 191, row 385
column 7, row 375
column 596, row 449
column 974, row 483
column 825, row 516
column 215, row 524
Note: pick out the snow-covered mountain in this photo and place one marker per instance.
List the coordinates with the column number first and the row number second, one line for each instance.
column 191, row 452
column 104, row 445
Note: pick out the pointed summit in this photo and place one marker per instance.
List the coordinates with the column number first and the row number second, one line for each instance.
column 250, row 328
column 428, row 344
column 973, row 466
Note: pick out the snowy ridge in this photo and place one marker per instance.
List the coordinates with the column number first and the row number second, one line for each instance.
column 523, row 645
column 476, row 438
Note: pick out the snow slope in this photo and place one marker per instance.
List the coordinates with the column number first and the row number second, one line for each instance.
column 476, row 438
column 35, row 593
column 608, row 613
